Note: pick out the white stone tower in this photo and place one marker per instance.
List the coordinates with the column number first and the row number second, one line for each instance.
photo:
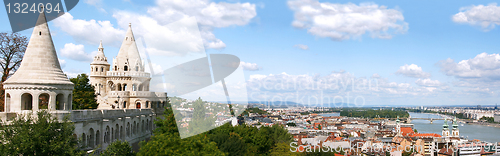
column 455, row 132
column 446, row 131
column 98, row 69
column 398, row 127
column 39, row 83
column 124, row 84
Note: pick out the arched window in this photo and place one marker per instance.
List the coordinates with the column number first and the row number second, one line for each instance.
column 134, row 128
column 128, row 129
column 124, row 87
column 106, row 135
column 136, row 68
column 147, row 104
column 117, row 132
column 122, row 133
column 143, row 126
column 119, row 87
column 112, row 134
column 102, row 69
column 91, row 138
column 7, row 102
column 96, row 69
column 97, row 138
column 125, row 68
column 43, row 101
column 116, row 68
column 68, row 103
column 84, row 140
column 124, row 104
column 134, row 87
column 59, row 102
column 138, row 105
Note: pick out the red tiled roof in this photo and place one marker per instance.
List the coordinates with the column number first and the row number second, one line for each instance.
column 407, row 131
column 425, row 135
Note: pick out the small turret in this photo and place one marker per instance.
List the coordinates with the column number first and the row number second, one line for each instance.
column 446, row 131
column 455, row 132
column 98, row 69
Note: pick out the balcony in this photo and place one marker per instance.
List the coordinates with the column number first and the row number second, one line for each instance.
column 128, row 73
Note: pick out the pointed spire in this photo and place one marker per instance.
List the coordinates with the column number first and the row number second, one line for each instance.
column 40, row 64
column 445, row 124
column 129, row 54
column 455, row 124
column 100, row 58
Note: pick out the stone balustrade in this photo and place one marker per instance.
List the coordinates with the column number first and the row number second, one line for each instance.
column 128, row 73
column 99, row 114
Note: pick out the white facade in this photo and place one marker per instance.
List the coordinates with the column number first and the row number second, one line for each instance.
column 39, row 83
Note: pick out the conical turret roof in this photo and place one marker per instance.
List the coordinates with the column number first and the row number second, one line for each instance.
column 129, row 50
column 100, row 58
column 40, row 64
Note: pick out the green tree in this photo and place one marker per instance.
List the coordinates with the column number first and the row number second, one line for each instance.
column 200, row 122
column 230, row 143
column 40, row 135
column 84, row 96
column 166, row 140
column 12, row 48
column 118, row 148
column 282, row 149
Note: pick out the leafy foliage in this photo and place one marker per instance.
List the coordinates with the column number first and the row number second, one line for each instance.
column 370, row 113
column 167, row 141
column 84, row 96
column 223, row 140
column 118, row 148
column 12, row 49
column 40, row 135
column 253, row 110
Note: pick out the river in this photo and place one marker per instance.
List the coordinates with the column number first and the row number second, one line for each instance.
column 483, row 133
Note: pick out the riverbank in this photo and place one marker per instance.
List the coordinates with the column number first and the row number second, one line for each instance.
column 467, row 121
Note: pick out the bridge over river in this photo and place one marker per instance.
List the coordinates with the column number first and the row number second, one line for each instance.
column 408, row 120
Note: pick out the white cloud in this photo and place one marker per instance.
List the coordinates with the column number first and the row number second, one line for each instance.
column 62, row 63
column 76, row 52
column 175, row 39
column 209, row 15
column 412, row 71
column 91, row 31
column 346, row 21
column 428, row 82
column 301, row 46
column 485, row 16
column 250, row 66
column 483, row 66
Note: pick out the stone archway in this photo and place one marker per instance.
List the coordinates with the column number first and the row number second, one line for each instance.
column 26, row 101
column 60, row 102
column 138, row 105
column 43, row 101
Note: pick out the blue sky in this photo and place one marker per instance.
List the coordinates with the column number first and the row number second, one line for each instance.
column 412, row 49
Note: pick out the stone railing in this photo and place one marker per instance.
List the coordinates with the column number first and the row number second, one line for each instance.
column 119, row 93
column 128, row 73
column 99, row 114
column 140, row 93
